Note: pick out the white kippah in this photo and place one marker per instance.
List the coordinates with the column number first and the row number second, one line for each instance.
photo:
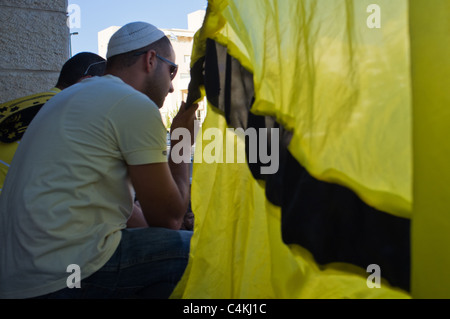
column 133, row 36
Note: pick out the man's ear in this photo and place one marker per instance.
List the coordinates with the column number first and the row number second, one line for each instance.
column 150, row 59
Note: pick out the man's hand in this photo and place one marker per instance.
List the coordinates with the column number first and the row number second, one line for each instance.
column 185, row 118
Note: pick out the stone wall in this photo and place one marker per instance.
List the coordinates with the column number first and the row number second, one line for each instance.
column 34, row 44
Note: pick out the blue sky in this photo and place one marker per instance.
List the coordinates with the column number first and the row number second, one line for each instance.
column 96, row 15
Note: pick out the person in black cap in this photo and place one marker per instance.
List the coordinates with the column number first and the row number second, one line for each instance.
column 16, row 115
column 69, row 192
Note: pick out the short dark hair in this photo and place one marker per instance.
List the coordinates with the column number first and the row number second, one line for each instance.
column 76, row 67
column 128, row 59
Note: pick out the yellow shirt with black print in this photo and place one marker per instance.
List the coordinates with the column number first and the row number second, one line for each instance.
column 15, row 116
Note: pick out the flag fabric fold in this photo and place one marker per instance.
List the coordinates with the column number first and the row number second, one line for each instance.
column 336, row 76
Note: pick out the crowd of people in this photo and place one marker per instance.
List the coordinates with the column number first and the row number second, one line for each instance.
column 86, row 179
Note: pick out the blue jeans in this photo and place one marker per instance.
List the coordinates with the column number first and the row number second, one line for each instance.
column 148, row 263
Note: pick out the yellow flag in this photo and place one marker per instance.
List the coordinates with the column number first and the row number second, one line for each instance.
column 340, row 77
column 237, row 251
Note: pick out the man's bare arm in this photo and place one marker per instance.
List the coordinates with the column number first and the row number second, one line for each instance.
column 163, row 189
column 163, row 199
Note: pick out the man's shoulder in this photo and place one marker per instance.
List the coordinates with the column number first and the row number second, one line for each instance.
column 114, row 85
column 128, row 94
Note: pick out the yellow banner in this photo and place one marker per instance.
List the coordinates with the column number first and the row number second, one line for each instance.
column 344, row 77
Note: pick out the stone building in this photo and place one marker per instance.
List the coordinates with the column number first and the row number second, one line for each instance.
column 34, row 42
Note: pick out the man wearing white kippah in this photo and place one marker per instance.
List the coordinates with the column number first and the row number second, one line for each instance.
column 69, row 192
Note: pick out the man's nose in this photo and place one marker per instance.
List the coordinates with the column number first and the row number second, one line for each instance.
column 171, row 89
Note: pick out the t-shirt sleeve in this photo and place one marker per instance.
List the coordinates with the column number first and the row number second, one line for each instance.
column 139, row 130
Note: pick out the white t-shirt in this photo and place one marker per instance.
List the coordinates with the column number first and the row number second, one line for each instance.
column 67, row 194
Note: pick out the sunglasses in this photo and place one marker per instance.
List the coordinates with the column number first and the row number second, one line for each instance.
column 97, row 68
column 173, row 66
